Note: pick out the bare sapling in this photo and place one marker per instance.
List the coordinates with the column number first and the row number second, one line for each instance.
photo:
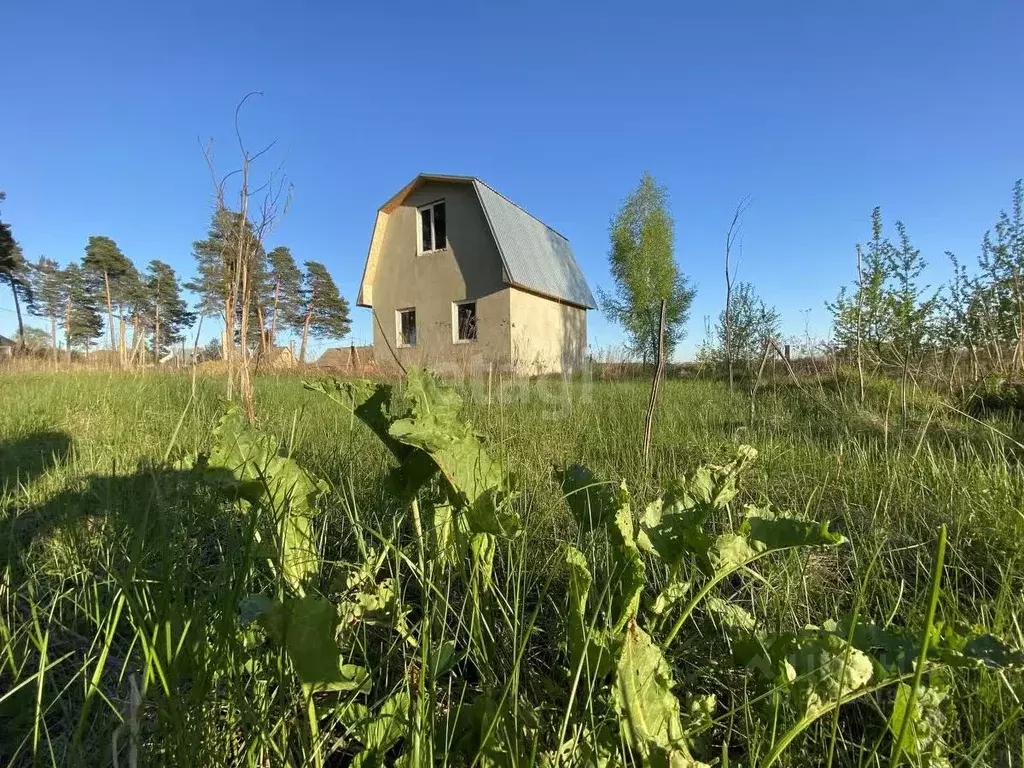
column 730, row 240
column 258, row 211
column 860, row 324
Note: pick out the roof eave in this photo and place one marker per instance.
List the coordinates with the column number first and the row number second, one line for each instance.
column 549, row 296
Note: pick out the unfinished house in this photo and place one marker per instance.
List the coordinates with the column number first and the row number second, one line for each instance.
column 460, row 278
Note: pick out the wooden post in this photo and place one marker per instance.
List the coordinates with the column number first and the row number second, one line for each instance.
column 787, row 353
column 785, row 359
column 658, row 371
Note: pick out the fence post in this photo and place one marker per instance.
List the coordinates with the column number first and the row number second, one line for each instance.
column 658, row 371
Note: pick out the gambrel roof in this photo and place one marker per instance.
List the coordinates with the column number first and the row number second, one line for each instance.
column 533, row 255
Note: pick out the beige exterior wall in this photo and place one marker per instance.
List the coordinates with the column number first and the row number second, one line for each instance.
column 517, row 330
column 547, row 337
column 468, row 269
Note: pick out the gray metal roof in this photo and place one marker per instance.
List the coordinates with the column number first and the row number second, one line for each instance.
column 536, row 257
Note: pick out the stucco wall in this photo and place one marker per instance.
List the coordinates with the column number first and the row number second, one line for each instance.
column 547, row 337
column 468, row 269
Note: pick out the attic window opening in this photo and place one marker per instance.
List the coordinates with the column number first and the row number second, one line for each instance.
column 465, row 321
column 433, row 227
column 406, row 327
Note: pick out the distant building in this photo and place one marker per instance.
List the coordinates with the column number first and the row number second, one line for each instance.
column 351, row 358
column 7, row 346
column 459, row 274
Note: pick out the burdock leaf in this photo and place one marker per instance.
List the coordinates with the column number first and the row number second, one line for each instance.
column 247, row 463
column 648, row 711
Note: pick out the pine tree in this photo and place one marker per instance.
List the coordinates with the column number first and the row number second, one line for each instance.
column 326, row 311
column 169, row 311
column 645, row 272
column 47, row 280
column 108, row 273
column 218, row 257
column 83, row 321
column 284, row 292
column 14, row 271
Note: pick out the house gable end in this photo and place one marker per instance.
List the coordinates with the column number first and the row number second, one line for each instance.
column 469, row 226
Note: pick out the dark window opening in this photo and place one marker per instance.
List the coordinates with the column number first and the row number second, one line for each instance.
column 433, row 227
column 466, row 317
column 407, row 328
column 440, row 227
column 426, row 235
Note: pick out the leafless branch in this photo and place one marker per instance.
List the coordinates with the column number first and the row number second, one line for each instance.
column 730, row 239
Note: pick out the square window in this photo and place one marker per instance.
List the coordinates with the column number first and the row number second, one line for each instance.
column 433, row 227
column 406, row 327
column 465, row 321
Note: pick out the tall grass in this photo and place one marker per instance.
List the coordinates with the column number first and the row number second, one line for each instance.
column 120, row 571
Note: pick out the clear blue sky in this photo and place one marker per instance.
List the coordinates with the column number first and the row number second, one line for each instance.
column 816, row 110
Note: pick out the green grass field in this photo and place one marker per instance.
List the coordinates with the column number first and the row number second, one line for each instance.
column 126, row 579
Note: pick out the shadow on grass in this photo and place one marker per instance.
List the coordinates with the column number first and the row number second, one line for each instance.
column 162, row 540
column 153, row 514
column 28, row 457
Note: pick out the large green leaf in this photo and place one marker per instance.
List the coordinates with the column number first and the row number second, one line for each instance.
column 627, row 586
column 672, row 593
column 378, row 731
column 305, row 628
column 593, row 503
column 373, row 403
column 826, row 669
column 648, row 711
column 674, row 527
column 923, row 739
column 477, row 483
column 247, row 463
column 896, row 650
column 732, row 616
column 767, row 530
column 715, row 486
column 593, row 650
column 770, row 529
column 482, row 548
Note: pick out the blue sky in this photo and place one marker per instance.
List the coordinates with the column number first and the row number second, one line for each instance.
column 817, row 111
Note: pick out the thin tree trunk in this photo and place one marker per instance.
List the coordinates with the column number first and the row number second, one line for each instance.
column 263, row 334
column 728, row 317
column 53, row 338
column 730, row 239
column 273, row 317
column 156, row 335
column 17, row 309
column 245, row 373
column 903, row 382
column 67, row 329
column 305, row 335
column 110, row 308
column 122, row 333
column 860, row 325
